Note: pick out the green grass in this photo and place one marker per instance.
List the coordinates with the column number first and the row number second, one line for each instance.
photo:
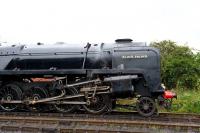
column 188, row 101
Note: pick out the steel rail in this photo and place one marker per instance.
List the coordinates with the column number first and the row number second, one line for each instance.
column 62, row 124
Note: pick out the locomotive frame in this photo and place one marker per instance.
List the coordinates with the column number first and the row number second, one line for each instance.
column 93, row 86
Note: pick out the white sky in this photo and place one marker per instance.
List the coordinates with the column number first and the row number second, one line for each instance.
column 80, row 21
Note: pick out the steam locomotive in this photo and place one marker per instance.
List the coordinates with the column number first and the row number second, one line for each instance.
column 67, row 77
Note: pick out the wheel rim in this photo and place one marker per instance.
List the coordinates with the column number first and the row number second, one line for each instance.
column 10, row 92
column 146, row 106
column 98, row 104
column 66, row 108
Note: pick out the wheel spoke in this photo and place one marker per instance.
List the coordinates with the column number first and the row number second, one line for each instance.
column 63, row 107
column 146, row 106
column 37, row 93
column 99, row 105
column 10, row 92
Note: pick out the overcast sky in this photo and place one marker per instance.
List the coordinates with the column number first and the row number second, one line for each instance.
column 49, row 21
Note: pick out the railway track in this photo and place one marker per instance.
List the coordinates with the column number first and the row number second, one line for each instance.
column 125, row 122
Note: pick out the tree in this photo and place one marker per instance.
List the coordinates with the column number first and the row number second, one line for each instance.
column 179, row 65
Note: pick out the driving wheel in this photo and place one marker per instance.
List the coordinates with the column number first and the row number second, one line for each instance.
column 98, row 104
column 66, row 108
column 37, row 93
column 10, row 92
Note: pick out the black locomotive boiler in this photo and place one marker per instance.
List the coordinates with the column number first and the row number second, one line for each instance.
column 67, row 77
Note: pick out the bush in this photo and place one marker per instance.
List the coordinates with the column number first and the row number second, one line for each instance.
column 180, row 67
